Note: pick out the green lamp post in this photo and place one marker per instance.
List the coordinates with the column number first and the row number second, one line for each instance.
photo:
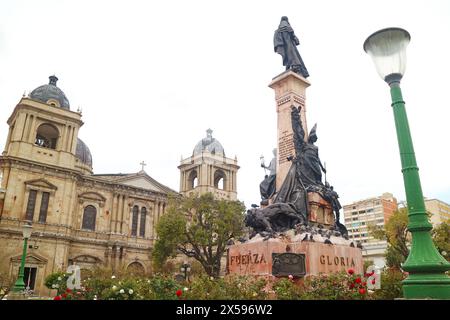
column 426, row 267
column 19, row 286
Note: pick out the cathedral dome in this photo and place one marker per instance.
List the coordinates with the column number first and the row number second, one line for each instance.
column 51, row 94
column 209, row 144
column 83, row 153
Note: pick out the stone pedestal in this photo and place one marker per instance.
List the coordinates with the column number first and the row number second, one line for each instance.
column 255, row 256
column 289, row 90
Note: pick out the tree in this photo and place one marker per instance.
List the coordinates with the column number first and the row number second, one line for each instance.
column 396, row 233
column 199, row 227
column 441, row 239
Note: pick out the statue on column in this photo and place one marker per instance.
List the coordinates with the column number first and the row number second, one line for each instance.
column 285, row 43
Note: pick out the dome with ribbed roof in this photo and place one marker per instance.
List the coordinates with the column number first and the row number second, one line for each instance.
column 209, row 144
column 83, row 153
column 51, row 94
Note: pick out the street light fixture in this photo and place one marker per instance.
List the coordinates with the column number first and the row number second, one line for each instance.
column 426, row 267
column 19, row 286
column 186, row 268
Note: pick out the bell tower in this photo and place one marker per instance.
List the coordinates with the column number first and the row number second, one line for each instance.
column 208, row 170
column 43, row 129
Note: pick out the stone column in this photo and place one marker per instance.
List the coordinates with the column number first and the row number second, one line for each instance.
column 290, row 89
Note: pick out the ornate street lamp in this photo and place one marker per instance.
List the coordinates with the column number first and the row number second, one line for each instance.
column 426, row 267
column 19, row 286
column 186, row 268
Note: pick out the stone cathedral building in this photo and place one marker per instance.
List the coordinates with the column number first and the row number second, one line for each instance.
column 78, row 217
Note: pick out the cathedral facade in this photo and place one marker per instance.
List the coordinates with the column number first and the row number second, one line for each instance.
column 77, row 217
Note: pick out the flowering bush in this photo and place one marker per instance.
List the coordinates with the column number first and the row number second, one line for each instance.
column 287, row 289
column 57, row 281
column 69, row 294
column 391, row 284
column 104, row 285
column 228, row 288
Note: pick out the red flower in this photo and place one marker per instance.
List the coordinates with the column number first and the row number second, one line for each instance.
column 57, row 298
column 362, row 291
column 68, row 290
column 64, row 295
column 364, row 284
column 358, row 280
column 373, row 281
column 352, row 285
column 179, row 293
column 351, row 271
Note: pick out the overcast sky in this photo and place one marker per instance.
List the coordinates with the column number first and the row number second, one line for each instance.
column 152, row 76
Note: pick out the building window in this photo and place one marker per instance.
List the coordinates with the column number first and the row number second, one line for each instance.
column 143, row 218
column 44, row 207
column 31, row 204
column 47, row 136
column 89, row 216
column 134, row 221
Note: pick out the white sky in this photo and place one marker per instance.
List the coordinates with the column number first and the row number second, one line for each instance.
column 152, row 76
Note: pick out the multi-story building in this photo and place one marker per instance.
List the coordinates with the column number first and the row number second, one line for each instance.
column 439, row 210
column 77, row 217
column 373, row 211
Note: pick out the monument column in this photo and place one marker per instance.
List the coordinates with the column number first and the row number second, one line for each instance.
column 290, row 88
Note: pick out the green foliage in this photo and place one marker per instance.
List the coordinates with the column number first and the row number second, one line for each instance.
column 391, row 285
column 336, row 286
column 441, row 239
column 395, row 232
column 286, row 289
column 57, row 281
column 228, row 288
column 161, row 288
column 199, row 227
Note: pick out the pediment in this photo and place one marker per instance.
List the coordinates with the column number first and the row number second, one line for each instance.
column 90, row 195
column 41, row 183
column 30, row 259
column 144, row 181
column 87, row 259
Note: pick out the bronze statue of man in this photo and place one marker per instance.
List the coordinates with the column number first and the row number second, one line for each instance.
column 285, row 43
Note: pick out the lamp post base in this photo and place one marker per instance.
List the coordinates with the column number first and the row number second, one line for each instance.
column 426, row 286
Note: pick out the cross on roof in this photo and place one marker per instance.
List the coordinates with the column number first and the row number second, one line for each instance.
column 143, row 164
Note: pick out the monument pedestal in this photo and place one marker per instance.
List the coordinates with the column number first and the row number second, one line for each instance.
column 290, row 89
column 260, row 257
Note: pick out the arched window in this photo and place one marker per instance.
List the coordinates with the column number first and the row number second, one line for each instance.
column 143, row 217
column 193, row 180
column 219, row 180
column 89, row 216
column 134, row 221
column 47, row 136
column 135, row 268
